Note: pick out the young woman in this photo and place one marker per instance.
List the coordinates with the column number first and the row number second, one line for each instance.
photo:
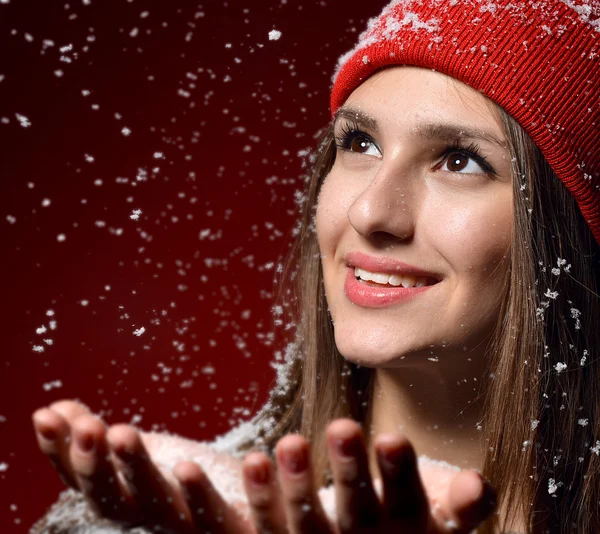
column 445, row 283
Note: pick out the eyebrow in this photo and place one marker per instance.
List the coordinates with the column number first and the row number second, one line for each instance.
column 426, row 131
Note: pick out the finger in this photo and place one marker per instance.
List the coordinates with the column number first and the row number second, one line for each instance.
column 69, row 409
column 96, row 473
column 264, row 497
column 53, row 435
column 357, row 503
column 404, row 498
column 471, row 500
column 301, row 503
column 158, row 501
column 209, row 512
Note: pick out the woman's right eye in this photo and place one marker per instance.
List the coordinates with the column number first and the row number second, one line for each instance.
column 358, row 142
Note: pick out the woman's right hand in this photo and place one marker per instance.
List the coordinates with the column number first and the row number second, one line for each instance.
column 112, row 468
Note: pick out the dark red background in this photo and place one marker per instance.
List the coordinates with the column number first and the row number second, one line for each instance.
column 203, row 302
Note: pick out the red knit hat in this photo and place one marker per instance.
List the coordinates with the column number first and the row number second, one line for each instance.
column 539, row 60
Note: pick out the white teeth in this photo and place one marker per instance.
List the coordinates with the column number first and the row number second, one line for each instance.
column 405, row 281
column 408, row 281
column 380, row 278
column 395, row 280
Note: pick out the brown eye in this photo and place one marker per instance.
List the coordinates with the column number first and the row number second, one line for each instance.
column 357, row 142
column 360, row 144
column 465, row 162
column 457, row 161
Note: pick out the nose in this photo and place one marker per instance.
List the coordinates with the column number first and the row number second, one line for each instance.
column 386, row 207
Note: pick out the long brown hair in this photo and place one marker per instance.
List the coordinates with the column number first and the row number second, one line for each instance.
column 542, row 392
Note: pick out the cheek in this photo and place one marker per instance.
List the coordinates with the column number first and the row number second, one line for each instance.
column 475, row 236
column 332, row 212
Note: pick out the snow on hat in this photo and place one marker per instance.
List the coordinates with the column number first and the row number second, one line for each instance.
column 539, row 60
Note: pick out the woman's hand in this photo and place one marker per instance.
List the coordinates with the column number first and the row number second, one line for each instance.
column 114, row 471
column 404, row 507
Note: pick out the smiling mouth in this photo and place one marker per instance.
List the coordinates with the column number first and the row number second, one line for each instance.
column 392, row 280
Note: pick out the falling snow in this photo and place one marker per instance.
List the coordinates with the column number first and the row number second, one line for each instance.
column 23, row 120
column 55, row 384
column 551, row 294
column 560, row 367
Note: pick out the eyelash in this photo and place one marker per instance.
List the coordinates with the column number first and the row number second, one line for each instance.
column 351, row 131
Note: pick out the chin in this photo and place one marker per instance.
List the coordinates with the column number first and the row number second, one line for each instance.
column 376, row 347
column 387, row 346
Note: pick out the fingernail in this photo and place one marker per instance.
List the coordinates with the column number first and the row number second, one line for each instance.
column 347, row 447
column 47, row 433
column 294, row 460
column 85, row 443
column 258, row 474
column 394, row 459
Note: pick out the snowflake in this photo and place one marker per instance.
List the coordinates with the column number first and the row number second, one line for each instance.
column 55, row 384
column 23, row 120
column 534, row 424
column 551, row 294
column 560, row 367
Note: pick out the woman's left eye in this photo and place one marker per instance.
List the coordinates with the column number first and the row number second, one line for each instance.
column 466, row 161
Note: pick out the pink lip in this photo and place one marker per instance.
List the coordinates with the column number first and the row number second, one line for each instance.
column 368, row 296
column 377, row 264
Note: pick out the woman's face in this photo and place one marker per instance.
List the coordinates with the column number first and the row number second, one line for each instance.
column 421, row 189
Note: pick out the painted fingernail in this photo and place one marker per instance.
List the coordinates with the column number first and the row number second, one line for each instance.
column 46, row 432
column 124, row 454
column 347, row 447
column 258, row 474
column 85, row 443
column 394, row 459
column 294, row 460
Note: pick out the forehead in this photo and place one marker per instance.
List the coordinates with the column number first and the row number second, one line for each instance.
column 406, row 95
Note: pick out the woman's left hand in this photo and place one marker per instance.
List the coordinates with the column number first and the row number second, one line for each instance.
column 404, row 507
